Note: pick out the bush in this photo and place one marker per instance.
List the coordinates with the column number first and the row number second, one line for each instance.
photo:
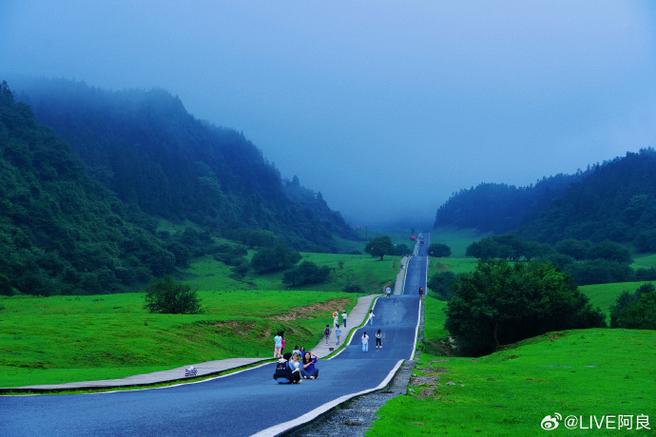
column 353, row 288
column 577, row 249
column 442, row 283
column 439, row 250
column 610, row 251
column 635, row 310
column 274, row 259
column 306, row 273
column 598, row 271
column 240, row 270
column 230, row 254
column 646, row 241
column 254, row 237
column 501, row 303
column 645, row 274
column 165, row 295
column 507, row 247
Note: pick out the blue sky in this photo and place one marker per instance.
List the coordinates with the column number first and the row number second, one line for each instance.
column 385, row 107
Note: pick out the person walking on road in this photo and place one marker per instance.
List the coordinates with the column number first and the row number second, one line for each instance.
column 388, row 291
column 338, row 334
column 282, row 348
column 277, row 346
column 379, row 340
column 421, row 292
column 335, row 318
column 344, row 318
column 365, row 342
column 326, row 333
column 371, row 317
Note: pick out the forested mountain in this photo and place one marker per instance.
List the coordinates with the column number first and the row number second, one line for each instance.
column 60, row 231
column 500, row 207
column 615, row 200
column 146, row 148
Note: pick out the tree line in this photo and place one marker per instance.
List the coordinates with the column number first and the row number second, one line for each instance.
column 614, row 200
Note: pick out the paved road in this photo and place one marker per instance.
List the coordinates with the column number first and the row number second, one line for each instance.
column 237, row 405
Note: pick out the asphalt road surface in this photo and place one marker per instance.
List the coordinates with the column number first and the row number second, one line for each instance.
column 237, row 405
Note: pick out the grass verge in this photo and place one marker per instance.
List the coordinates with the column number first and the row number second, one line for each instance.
column 48, row 340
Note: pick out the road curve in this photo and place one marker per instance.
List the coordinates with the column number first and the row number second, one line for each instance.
column 238, row 405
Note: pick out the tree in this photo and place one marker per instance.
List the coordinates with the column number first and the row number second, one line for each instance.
column 402, row 250
column 439, row 250
column 442, row 283
column 274, row 259
column 635, row 310
column 577, row 249
column 380, row 246
column 306, row 273
column 610, row 251
column 165, row 295
column 501, row 303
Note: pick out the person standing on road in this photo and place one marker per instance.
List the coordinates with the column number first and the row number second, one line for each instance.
column 379, row 340
column 326, row 333
column 371, row 317
column 344, row 318
column 338, row 334
column 277, row 346
column 365, row 342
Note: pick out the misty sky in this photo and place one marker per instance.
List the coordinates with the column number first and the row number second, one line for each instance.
column 385, row 107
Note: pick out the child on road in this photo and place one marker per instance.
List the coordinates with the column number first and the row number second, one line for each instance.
column 365, row 342
column 326, row 333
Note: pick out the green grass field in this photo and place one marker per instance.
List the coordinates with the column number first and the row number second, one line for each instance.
column 455, row 265
column 583, row 372
column 456, row 239
column 363, row 270
column 58, row 339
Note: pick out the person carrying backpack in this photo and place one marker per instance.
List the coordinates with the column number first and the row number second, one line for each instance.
column 326, row 333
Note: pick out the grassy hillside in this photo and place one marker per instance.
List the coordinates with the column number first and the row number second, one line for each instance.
column 456, row 239
column 496, row 395
column 368, row 273
column 63, row 338
column 644, row 261
column 605, row 295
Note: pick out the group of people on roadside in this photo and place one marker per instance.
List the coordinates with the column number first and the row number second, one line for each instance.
column 293, row 367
